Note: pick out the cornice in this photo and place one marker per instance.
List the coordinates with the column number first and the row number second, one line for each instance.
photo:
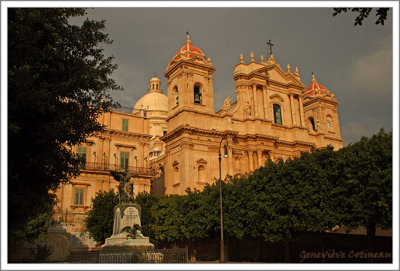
column 185, row 109
column 307, row 100
column 195, row 131
column 334, row 138
column 174, row 66
column 122, row 134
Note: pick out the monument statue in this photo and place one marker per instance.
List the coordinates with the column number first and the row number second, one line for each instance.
column 125, row 187
column 126, row 227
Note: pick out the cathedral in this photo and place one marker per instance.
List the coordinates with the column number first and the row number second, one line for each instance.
column 173, row 142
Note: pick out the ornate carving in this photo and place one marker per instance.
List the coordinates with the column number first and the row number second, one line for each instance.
column 187, row 145
column 227, row 104
column 247, row 110
column 213, row 148
column 318, row 126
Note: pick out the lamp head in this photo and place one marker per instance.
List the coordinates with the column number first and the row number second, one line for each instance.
column 225, row 151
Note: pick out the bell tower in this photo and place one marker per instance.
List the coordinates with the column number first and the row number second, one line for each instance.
column 189, row 81
column 321, row 116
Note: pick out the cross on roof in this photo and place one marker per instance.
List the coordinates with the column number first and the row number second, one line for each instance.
column 270, row 46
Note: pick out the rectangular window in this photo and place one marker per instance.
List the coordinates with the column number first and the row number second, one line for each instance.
column 79, row 193
column 277, row 114
column 82, row 154
column 124, row 159
column 125, row 125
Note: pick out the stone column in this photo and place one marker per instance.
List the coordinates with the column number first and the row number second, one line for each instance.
column 142, row 155
column 291, row 107
column 251, row 163
column 230, row 161
column 259, row 154
column 185, row 178
column 255, row 113
column 266, row 103
column 301, row 110
column 264, row 108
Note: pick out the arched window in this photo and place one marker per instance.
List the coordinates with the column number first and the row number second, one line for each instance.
column 201, row 174
column 153, row 86
column 197, row 94
column 312, row 123
column 176, row 97
column 277, row 114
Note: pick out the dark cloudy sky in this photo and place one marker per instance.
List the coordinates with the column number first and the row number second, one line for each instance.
column 355, row 63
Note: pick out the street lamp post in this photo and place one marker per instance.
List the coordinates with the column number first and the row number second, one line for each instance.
column 220, row 196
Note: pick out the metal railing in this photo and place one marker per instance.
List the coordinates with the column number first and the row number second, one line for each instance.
column 107, row 167
column 69, row 216
column 176, row 255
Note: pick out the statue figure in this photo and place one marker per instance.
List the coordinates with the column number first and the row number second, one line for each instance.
column 227, row 104
column 125, row 187
column 318, row 126
column 247, row 110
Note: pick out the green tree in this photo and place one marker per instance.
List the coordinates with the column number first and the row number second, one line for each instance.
column 100, row 218
column 285, row 198
column 168, row 217
column 363, row 13
column 368, row 175
column 58, row 83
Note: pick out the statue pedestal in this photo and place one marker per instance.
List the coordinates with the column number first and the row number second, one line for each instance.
column 124, row 241
column 126, row 233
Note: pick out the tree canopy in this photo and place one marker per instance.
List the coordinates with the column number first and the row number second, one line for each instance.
column 368, row 183
column 364, row 13
column 311, row 193
column 58, row 84
column 100, row 217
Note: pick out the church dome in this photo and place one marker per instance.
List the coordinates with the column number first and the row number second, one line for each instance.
column 188, row 51
column 316, row 89
column 154, row 99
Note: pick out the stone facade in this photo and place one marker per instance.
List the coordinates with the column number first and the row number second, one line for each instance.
column 124, row 144
column 273, row 117
column 172, row 142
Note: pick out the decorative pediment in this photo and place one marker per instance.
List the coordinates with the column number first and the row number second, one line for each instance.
column 89, row 142
column 276, row 97
column 201, row 161
column 120, row 145
column 276, row 73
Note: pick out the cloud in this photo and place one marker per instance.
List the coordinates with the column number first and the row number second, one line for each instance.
column 367, row 126
column 373, row 72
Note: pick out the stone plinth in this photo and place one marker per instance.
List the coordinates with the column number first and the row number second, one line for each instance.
column 124, row 241
column 126, row 230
